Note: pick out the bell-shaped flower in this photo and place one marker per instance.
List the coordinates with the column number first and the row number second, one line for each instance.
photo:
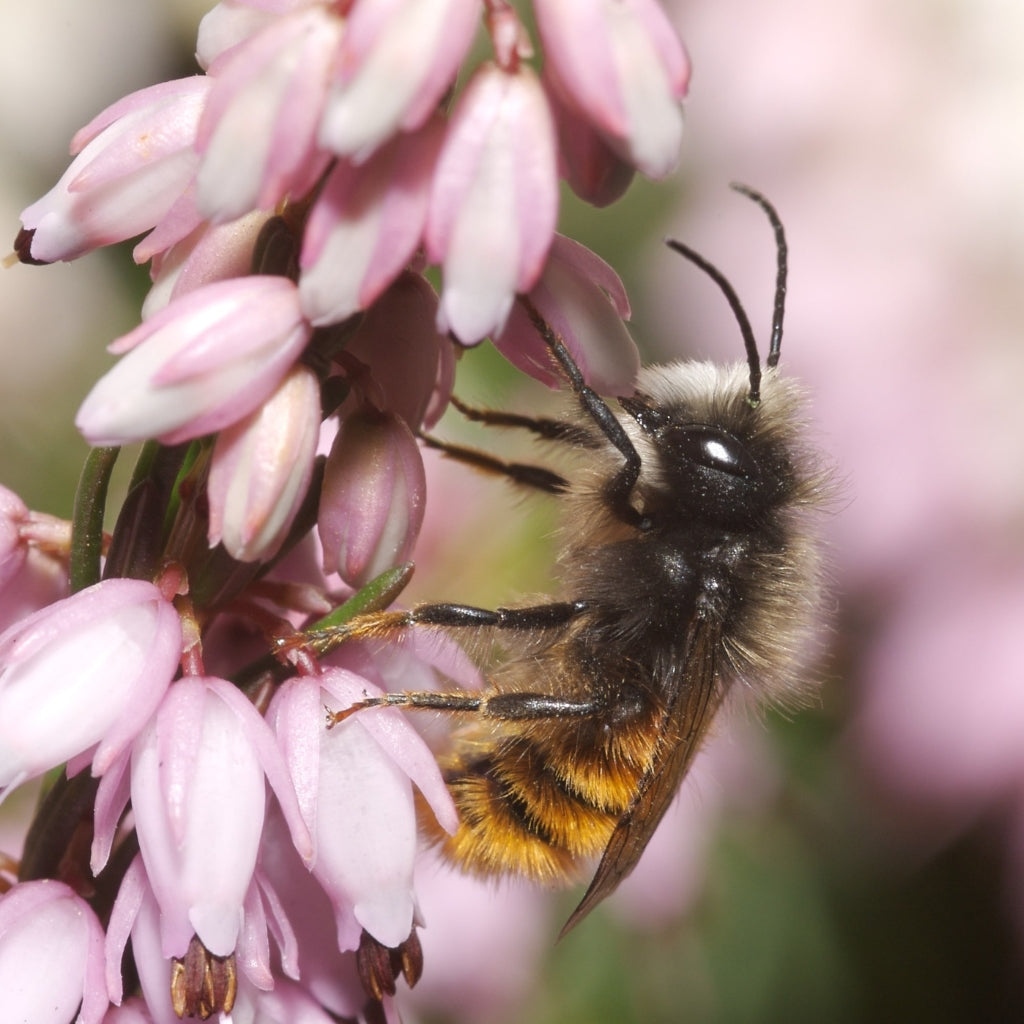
column 398, row 343
column 620, row 64
column 261, row 469
column 325, row 971
column 584, row 302
column 79, row 678
column 366, row 224
column 355, row 786
column 137, row 915
column 494, row 201
column 51, row 956
column 198, row 365
column 265, row 103
column 373, row 497
column 134, row 162
column 397, row 59
column 198, row 793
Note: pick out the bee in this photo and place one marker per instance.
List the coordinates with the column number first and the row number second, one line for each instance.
column 687, row 569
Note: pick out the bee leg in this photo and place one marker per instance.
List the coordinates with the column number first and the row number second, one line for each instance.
column 382, row 625
column 500, row 706
column 619, row 489
column 542, row 426
column 521, row 473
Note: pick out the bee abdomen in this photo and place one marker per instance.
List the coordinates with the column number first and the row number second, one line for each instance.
column 520, row 813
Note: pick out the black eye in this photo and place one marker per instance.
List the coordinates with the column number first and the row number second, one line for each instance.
column 714, row 449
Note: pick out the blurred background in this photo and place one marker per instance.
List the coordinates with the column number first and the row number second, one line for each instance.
column 861, row 860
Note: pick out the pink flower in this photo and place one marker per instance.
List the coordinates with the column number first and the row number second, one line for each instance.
column 355, row 787
column 397, row 59
column 198, row 365
column 402, row 352
column 583, row 300
column 620, row 64
column 198, row 792
column 592, row 168
column 13, row 513
column 133, row 1011
column 365, row 226
column 262, row 467
column 137, row 914
column 137, row 160
column 371, row 505
column 265, row 103
column 41, row 580
column 326, row 972
column 79, row 678
column 494, row 201
column 211, row 252
column 233, row 21
column 51, row 956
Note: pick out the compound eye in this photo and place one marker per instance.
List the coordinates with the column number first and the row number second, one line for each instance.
column 716, row 450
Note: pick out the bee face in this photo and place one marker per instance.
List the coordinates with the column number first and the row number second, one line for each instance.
column 714, row 459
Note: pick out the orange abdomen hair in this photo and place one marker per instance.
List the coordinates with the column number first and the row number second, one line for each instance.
column 540, row 799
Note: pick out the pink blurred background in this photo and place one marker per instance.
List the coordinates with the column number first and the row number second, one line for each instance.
column 867, row 856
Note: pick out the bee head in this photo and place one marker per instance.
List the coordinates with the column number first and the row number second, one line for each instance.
column 708, row 456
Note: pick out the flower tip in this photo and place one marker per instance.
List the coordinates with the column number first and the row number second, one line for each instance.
column 23, row 250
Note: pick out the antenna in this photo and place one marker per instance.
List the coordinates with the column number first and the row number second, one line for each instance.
column 782, row 267
column 778, row 310
column 753, row 359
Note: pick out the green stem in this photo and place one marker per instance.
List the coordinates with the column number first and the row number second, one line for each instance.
column 87, row 520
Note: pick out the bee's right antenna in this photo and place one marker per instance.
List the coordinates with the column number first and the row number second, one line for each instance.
column 782, row 264
column 753, row 359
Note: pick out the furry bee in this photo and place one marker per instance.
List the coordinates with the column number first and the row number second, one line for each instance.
column 687, row 567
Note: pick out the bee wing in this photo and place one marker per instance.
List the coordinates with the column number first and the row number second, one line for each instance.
column 687, row 718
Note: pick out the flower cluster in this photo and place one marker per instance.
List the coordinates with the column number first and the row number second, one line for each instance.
column 290, row 352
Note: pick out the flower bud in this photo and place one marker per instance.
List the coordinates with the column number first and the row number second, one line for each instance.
column 371, row 506
column 583, row 300
column 397, row 59
column 265, row 102
column 198, row 365
column 261, row 469
column 137, row 160
column 365, row 226
column 494, row 201
column 620, row 64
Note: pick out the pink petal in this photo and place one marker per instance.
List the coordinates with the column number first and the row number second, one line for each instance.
column 199, row 364
column 495, row 200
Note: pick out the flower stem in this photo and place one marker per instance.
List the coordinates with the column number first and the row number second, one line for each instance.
column 87, row 521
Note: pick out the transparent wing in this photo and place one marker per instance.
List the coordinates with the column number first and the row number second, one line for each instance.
column 697, row 697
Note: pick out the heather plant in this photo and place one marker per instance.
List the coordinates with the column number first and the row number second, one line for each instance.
column 210, row 848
